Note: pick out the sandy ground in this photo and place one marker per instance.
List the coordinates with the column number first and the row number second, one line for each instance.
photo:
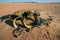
column 51, row 32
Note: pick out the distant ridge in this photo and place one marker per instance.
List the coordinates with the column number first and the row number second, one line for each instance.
column 33, row 2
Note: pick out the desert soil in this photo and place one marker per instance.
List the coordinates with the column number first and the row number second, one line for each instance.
column 51, row 32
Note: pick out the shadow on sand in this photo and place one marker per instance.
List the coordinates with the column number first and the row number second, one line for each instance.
column 16, row 32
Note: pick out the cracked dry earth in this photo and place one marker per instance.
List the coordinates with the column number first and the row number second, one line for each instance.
column 51, row 32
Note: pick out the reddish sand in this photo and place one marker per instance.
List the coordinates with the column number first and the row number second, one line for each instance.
column 51, row 32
